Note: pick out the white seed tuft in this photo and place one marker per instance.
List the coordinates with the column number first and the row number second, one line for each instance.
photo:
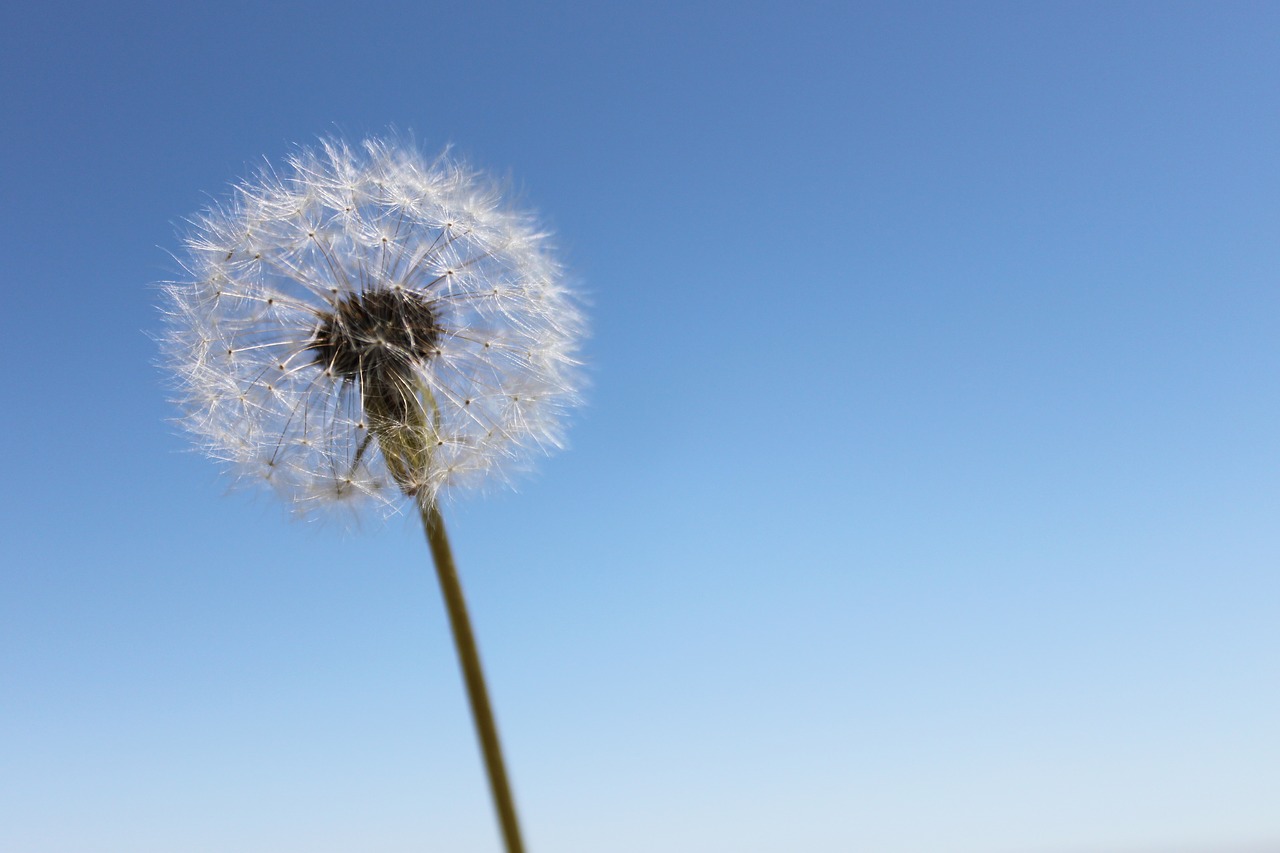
column 269, row 267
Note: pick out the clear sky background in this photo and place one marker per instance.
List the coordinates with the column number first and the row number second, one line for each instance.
column 927, row 499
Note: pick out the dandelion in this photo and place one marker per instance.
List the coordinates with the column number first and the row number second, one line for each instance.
column 370, row 328
column 370, row 325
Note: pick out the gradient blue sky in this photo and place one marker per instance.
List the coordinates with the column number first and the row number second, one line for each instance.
column 927, row 499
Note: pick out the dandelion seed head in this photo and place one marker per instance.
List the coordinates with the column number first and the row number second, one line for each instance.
column 367, row 324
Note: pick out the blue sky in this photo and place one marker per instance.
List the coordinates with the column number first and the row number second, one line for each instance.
column 925, row 499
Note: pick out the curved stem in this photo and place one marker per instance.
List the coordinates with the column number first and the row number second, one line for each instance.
column 469, row 660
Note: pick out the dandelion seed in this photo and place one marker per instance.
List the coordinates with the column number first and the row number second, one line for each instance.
column 410, row 298
column 368, row 326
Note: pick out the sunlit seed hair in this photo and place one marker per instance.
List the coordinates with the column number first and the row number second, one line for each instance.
column 366, row 325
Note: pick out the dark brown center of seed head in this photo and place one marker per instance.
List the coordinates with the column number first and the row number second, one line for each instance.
column 377, row 334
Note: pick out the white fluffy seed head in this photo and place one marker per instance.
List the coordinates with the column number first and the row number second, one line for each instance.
column 366, row 324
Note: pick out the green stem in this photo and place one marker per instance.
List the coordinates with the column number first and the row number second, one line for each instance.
column 469, row 660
